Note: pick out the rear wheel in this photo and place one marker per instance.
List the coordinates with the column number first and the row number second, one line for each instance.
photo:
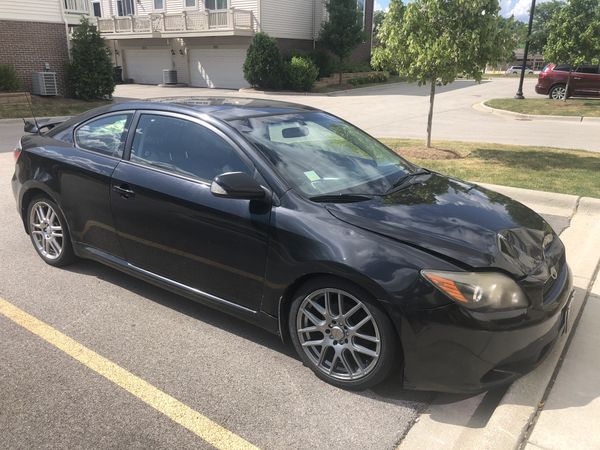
column 342, row 334
column 558, row 92
column 49, row 233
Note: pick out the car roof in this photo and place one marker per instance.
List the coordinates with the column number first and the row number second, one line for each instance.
column 223, row 108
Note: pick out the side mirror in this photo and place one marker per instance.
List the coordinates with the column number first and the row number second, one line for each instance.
column 237, row 185
column 30, row 127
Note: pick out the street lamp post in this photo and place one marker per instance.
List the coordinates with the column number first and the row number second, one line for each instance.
column 519, row 95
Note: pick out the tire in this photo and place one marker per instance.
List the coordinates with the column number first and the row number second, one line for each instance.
column 558, row 92
column 49, row 233
column 361, row 347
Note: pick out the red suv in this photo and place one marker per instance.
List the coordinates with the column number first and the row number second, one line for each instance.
column 585, row 81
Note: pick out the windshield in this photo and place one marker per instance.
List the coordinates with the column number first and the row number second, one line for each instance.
column 319, row 154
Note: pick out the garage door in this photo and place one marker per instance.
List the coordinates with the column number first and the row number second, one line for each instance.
column 218, row 67
column 146, row 66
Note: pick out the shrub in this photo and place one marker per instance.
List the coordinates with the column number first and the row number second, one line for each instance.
column 323, row 61
column 8, row 78
column 377, row 77
column 301, row 73
column 90, row 74
column 263, row 67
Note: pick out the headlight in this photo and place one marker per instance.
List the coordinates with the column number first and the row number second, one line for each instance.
column 484, row 291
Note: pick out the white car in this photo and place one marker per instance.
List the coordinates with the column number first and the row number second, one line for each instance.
column 514, row 70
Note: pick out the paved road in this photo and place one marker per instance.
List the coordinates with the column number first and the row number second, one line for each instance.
column 400, row 110
column 244, row 379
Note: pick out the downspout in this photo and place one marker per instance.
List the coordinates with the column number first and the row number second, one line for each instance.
column 314, row 19
column 66, row 22
column 259, row 18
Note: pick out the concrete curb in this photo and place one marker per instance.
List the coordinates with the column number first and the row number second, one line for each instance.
column 315, row 94
column 481, row 107
column 451, row 426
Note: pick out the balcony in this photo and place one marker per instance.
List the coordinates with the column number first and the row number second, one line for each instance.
column 186, row 23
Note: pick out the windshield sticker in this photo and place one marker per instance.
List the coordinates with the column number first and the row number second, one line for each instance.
column 312, row 175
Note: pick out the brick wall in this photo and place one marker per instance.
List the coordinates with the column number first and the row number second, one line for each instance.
column 28, row 45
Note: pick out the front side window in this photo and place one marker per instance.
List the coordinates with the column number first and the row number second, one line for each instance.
column 105, row 135
column 319, row 154
column 587, row 69
column 183, row 147
column 215, row 4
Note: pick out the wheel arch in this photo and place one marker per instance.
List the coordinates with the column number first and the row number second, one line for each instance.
column 285, row 301
column 28, row 195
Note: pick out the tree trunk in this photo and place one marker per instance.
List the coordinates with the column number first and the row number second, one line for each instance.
column 430, row 117
column 341, row 70
column 568, row 85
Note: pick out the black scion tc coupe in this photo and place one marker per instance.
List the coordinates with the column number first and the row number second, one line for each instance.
column 299, row 222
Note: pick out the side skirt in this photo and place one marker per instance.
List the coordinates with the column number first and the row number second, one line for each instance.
column 259, row 318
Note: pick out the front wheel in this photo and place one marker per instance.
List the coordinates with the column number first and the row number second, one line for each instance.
column 48, row 232
column 558, row 92
column 342, row 334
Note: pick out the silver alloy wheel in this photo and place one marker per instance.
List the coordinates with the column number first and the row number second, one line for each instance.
column 338, row 334
column 46, row 230
column 559, row 92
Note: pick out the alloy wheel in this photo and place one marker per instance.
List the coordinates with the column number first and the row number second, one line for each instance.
column 338, row 334
column 559, row 92
column 46, row 230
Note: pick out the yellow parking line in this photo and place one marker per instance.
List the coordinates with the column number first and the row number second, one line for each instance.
column 175, row 410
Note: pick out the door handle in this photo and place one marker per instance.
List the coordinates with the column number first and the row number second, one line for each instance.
column 577, row 78
column 124, row 191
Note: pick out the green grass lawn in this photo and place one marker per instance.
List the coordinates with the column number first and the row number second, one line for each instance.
column 49, row 106
column 540, row 168
column 545, row 106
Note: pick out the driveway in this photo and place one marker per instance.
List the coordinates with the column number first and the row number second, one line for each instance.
column 400, row 110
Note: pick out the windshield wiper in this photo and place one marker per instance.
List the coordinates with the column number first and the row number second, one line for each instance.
column 340, row 198
column 404, row 179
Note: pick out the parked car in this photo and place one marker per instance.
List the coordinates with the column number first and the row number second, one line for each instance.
column 514, row 70
column 585, row 81
column 301, row 223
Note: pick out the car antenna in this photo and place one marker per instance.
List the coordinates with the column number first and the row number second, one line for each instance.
column 37, row 127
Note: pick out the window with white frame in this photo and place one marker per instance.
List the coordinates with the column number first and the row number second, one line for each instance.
column 190, row 4
column 361, row 11
column 96, row 8
column 125, row 8
column 216, row 4
column 159, row 5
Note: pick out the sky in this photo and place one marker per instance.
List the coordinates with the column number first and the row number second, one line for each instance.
column 518, row 8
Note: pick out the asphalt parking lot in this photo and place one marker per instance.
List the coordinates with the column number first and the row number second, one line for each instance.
column 238, row 376
column 215, row 366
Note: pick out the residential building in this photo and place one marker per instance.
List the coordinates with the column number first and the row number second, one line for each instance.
column 34, row 35
column 206, row 41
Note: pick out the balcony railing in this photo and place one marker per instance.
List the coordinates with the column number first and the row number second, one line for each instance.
column 226, row 19
column 76, row 6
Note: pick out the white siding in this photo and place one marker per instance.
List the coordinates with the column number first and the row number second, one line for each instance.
column 31, row 10
column 291, row 19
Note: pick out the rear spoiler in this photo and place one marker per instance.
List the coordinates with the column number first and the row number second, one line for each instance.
column 36, row 127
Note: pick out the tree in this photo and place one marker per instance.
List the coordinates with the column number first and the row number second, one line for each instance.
column 378, row 17
column 541, row 19
column 343, row 31
column 90, row 75
column 574, row 36
column 263, row 67
column 433, row 41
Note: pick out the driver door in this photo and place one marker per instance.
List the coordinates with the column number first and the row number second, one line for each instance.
column 171, row 225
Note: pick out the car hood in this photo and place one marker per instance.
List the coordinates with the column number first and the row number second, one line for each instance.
column 467, row 223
